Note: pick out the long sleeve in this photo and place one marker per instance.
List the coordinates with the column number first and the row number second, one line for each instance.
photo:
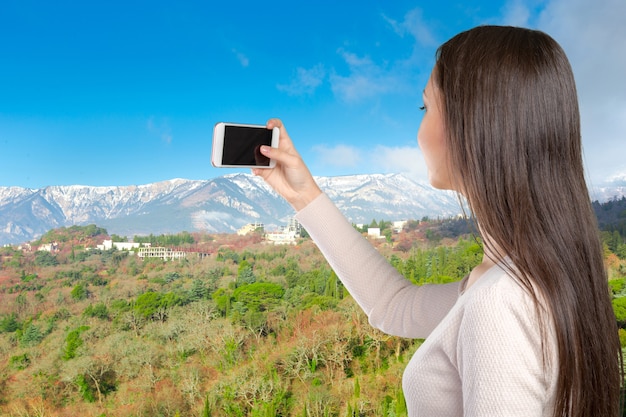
column 483, row 355
column 392, row 303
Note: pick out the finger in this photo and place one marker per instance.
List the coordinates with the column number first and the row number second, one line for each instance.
column 271, row 123
column 260, row 172
column 284, row 141
column 289, row 158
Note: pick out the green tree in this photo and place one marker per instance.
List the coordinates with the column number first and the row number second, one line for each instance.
column 223, row 300
column 224, row 254
column 245, row 273
column 72, row 342
column 171, row 277
column 334, row 287
column 85, row 389
column 9, row 323
column 260, row 296
column 148, row 303
column 198, row 290
column 357, row 388
column 98, row 310
column 27, row 277
column 79, row 292
column 206, row 409
column 619, row 308
column 183, row 238
column 31, row 336
column 117, row 238
column 20, row 362
column 98, row 381
column 21, row 301
column 44, row 258
column 155, row 305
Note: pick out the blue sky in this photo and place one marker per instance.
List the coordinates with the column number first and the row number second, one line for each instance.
column 127, row 92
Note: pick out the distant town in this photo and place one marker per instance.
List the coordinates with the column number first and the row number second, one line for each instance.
column 287, row 235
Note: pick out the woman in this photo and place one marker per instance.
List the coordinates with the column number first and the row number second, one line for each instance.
column 530, row 331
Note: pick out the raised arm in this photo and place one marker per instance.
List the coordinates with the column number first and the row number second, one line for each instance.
column 391, row 302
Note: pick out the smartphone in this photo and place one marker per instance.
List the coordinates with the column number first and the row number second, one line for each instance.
column 237, row 145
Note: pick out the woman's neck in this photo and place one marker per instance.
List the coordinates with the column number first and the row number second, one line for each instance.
column 492, row 254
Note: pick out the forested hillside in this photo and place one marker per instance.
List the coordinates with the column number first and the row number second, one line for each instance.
column 612, row 221
column 251, row 330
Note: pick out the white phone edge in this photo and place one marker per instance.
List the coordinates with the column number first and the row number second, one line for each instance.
column 218, row 144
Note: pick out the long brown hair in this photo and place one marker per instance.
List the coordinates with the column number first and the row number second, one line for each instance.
column 512, row 121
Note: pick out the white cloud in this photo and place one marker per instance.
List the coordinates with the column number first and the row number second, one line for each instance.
column 415, row 25
column 593, row 35
column 365, row 79
column 403, row 159
column 243, row 59
column 380, row 159
column 305, row 81
column 338, row 156
column 516, row 13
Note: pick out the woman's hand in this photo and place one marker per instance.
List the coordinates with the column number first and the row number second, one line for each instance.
column 291, row 177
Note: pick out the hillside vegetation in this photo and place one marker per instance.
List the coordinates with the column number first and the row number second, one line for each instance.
column 251, row 330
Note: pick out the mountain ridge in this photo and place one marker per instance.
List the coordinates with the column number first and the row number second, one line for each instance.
column 219, row 205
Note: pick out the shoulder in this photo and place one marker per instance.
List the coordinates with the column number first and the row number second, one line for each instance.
column 496, row 287
column 499, row 304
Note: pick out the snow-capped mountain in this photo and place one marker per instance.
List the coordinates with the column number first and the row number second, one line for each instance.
column 613, row 187
column 219, row 205
column 222, row 204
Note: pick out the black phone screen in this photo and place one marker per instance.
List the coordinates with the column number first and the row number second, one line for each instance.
column 242, row 145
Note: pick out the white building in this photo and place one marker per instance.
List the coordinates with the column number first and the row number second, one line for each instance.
column 399, row 225
column 161, row 252
column 49, row 247
column 249, row 228
column 282, row 238
column 287, row 236
column 109, row 244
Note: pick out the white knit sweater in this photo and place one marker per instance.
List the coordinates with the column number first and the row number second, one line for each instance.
column 483, row 350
